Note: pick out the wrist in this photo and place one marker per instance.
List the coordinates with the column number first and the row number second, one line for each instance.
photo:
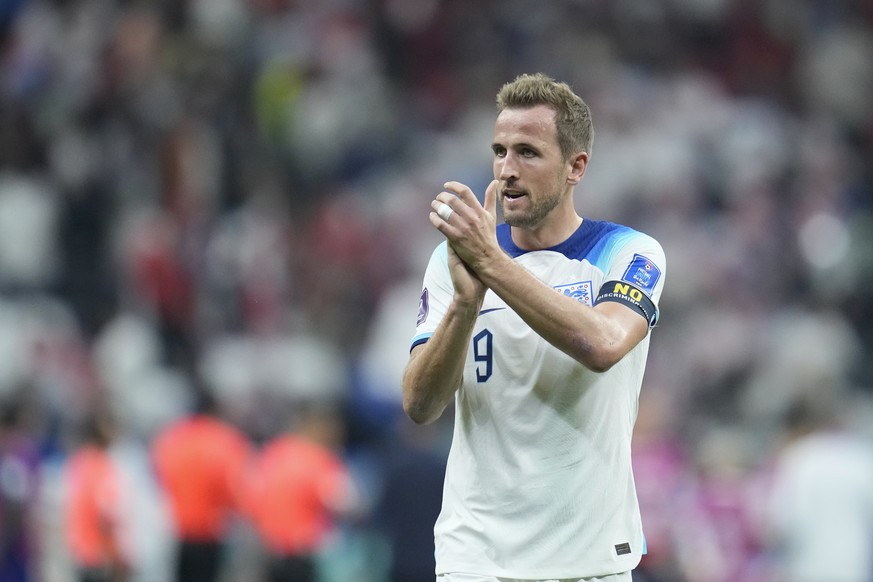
column 467, row 307
column 490, row 268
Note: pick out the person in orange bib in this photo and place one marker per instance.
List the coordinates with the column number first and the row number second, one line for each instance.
column 299, row 486
column 94, row 509
column 200, row 460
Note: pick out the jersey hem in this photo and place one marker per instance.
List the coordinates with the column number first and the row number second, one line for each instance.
column 614, row 568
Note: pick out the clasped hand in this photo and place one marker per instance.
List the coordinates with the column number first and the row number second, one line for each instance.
column 470, row 229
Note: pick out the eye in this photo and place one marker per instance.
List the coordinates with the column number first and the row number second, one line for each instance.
column 499, row 151
column 528, row 153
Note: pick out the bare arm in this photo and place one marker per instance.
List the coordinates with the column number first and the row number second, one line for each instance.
column 598, row 337
column 436, row 368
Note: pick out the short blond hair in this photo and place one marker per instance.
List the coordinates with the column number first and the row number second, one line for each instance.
column 575, row 129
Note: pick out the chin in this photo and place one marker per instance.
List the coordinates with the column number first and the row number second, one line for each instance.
column 513, row 217
column 517, row 220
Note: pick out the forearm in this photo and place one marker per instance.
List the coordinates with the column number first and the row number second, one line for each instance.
column 580, row 331
column 436, row 368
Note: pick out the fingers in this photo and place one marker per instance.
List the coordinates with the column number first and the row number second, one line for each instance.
column 444, row 211
column 442, row 206
column 463, row 192
column 491, row 198
column 458, row 191
column 458, row 199
column 468, row 226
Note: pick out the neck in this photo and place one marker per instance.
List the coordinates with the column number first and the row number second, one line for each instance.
column 550, row 232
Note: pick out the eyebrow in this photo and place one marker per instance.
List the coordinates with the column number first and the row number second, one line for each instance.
column 515, row 146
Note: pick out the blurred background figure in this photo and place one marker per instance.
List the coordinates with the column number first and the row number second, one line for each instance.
column 819, row 512
column 299, row 489
column 97, row 507
column 19, row 475
column 201, row 461
column 410, row 497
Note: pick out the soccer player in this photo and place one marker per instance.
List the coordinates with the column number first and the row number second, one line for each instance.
column 538, row 330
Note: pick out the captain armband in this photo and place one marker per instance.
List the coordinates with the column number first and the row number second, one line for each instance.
column 623, row 292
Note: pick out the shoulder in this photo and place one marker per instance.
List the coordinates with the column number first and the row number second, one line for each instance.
column 612, row 233
column 610, row 241
column 440, row 254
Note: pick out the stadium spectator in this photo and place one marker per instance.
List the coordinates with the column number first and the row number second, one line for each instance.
column 819, row 513
column 19, row 478
column 410, row 498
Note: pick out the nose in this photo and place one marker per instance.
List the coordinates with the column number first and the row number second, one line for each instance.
column 505, row 168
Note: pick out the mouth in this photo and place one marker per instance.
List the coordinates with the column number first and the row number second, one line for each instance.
column 511, row 194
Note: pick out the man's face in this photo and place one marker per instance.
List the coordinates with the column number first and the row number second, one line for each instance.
column 529, row 165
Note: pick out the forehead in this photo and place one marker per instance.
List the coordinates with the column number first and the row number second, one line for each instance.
column 533, row 125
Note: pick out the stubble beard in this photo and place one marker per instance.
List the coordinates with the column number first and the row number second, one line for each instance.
column 538, row 211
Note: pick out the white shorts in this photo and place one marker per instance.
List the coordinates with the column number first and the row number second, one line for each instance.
column 622, row 577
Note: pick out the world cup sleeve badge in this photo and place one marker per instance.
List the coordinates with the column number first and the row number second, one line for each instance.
column 423, row 307
column 643, row 273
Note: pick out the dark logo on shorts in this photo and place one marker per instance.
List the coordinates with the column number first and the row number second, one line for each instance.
column 622, row 549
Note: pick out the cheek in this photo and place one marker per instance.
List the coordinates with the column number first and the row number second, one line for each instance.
column 546, row 181
column 496, row 167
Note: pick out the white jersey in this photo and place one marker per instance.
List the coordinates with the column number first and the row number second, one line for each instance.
column 539, row 481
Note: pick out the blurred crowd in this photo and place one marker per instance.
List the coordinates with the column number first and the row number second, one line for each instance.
column 230, row 197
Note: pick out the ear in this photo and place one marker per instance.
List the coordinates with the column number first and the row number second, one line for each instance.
column 578, row 164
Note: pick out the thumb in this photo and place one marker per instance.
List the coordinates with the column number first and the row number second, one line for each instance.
column 491, row 198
